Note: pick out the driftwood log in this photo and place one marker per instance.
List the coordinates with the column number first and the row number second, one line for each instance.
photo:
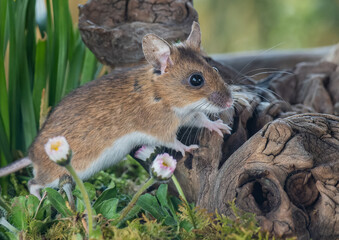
column 281, row 161
column 113, row 30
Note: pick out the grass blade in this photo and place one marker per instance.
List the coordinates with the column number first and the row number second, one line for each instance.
column 12, row 74
column 89, row 67
column 39, row 76
column 4, row 111
column 30, row 41
column 4, row 144
column 60, row 8
column 27, row 109
column 75, row 67
column 5, row 152
column 3, row 17
column 51, row 55
column 24, row 81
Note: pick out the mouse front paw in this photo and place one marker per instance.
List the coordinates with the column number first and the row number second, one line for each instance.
column 217, row 126
column 180, row 147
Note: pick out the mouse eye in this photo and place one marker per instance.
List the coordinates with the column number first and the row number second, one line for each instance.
column 196, row 80
column 216, row 69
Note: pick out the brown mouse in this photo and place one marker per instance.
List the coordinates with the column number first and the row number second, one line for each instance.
column 105, row 119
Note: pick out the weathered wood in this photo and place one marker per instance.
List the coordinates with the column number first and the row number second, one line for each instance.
column 286, row 171
column 113, row 30
column 287, row 174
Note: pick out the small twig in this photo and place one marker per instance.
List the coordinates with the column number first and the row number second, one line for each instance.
column 42, row 199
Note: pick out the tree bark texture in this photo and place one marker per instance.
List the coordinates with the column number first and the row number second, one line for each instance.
column 281, row 161
column 113, row 30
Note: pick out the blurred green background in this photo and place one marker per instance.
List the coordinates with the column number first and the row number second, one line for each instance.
column 230, row 25
column 243, row 25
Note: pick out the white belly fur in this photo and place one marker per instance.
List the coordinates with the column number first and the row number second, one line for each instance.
column 114, row 154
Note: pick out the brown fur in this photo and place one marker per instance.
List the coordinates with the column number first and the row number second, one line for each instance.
column 93, row 116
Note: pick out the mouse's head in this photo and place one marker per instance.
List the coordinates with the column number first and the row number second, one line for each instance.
column 183, row 77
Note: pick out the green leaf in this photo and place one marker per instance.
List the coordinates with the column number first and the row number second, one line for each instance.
column 23, row 210
column 163, row 211
column 150, row 204
column 167, row 206
column 58, row 202
column 186, row 225
column 32, row 203
column 80, row 205
column 90, row 191
column 96, row 234
column 105, row 195
column 44, row 210
column 18, row 216
column 133, row 213
column 108, row 208
column 11, row 236
column 162, row 195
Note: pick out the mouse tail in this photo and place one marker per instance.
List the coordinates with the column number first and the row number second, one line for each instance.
column 15, row 166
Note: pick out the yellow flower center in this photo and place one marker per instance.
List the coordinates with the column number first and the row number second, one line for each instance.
column 55, row 146
column 165, row 164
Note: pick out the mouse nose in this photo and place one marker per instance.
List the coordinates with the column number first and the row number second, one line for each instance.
column 229, row 103
column 221, row 100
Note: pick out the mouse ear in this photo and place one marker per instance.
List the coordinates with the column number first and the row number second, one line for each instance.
column 157, row 52
column 194, row 39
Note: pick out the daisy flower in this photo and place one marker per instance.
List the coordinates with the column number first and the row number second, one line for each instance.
column 163, row 166
column 58, row 150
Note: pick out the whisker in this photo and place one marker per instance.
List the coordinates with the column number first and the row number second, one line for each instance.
column 274, row 70
column 189, row 125
column 267, row 72
column 266, row 90
column 255, row 58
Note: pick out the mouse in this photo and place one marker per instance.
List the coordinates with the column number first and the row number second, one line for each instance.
column 106, row 118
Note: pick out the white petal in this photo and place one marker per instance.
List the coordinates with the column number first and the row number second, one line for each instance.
column 62, row 151
column 144, row 152
column 164, row 165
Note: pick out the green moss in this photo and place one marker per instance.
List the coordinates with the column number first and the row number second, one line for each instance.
column 140, row 228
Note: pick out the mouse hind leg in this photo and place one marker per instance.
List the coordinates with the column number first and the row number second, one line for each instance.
column 44, row 176
column 34, row 188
